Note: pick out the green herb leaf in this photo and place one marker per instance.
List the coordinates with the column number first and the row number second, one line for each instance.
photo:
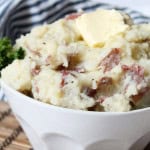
column 8, row 53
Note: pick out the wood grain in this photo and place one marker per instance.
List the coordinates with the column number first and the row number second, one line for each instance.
column 7, row 126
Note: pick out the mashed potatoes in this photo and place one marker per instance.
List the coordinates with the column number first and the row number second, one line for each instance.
column 95, row 61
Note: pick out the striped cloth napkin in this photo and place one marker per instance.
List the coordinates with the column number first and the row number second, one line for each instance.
column 19, row 16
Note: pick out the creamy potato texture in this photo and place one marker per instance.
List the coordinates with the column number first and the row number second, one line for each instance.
column 96, row 61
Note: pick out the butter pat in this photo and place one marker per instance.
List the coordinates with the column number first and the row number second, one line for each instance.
column 97, row 27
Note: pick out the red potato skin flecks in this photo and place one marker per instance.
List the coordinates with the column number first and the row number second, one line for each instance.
column 136, row 72
column 136, row 98
column 104, row 81
column 64, row 74
column 36, row 70
column 111, row 60
column 137, row 75
column 73, row 16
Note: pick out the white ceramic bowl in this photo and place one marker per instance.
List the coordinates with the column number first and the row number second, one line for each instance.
column 54, row 128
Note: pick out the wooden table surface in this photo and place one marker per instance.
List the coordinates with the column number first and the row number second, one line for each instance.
column 12, row 136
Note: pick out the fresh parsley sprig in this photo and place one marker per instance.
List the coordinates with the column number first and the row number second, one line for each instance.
column 8, row 53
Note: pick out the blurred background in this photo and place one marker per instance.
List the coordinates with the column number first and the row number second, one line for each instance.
column 140, row 5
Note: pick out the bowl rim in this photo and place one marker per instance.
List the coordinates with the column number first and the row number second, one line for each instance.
column 75, row 111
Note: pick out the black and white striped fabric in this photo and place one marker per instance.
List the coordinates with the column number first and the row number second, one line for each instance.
column 19, row 16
